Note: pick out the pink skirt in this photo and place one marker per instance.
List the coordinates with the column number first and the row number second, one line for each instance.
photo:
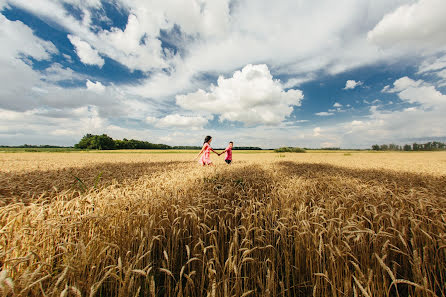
column 204, row 160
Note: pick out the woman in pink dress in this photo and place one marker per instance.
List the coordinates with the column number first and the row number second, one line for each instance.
column 206, row 150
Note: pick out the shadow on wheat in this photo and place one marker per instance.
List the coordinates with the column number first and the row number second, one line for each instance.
column 275, row 229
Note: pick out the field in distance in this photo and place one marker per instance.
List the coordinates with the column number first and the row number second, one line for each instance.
column 418, row 162
column 151, row 223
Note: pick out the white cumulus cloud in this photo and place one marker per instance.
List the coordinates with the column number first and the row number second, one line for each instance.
column 417, row 91
column 17, row 38
column 97, row 87
column 250, row 96
column 136, row 46
column 324, row 114
column 17, row 77
column 86, row 53
column 432, row 64
column 351, row 84
column 57, row 73
column 178, row 121
column 417, row 25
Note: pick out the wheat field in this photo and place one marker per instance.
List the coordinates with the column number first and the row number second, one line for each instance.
column 153, row 224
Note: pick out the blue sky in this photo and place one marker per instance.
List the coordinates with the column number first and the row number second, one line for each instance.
column 260, row 73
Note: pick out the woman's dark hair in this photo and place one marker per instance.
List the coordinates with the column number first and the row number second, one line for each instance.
column 206, row 139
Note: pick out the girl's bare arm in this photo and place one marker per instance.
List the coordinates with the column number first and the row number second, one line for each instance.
column 222, row 152
column 202, row 149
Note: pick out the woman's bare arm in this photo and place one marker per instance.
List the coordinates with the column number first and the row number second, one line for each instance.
column 215, row 151
column 226, row 149
column 202, row 150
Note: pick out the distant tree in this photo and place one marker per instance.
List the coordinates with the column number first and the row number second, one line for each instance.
column 85, row 142
column 290, row 150
column 138, row 144
column 440, row 145
column 428, row 146
column 96, row 142
column 246, row 148
column 105, row 142
column 186, row 147
column 120, row 144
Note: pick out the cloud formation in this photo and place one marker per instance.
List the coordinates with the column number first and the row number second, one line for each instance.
column 351, row 84
column 178, row 121
column 180, row 47
column 324, row 114
column 250, row 96
column 17, row 77
column 413, row 26
column 418, row 91
column 211, row 33
column 97, row 87
column 86, row 53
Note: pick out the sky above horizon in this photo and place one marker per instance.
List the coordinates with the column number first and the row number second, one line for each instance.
column 261, row 73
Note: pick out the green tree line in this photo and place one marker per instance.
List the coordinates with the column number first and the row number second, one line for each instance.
column 290, row 150
column 105, row 142
column 33, row 146
column 428, row 146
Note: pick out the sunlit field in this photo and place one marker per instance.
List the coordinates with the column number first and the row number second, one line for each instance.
column 151, row 223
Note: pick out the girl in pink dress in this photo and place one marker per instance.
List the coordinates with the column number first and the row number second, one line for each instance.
column 206, row 150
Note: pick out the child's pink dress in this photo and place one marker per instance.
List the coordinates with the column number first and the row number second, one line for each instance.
column 205, row 158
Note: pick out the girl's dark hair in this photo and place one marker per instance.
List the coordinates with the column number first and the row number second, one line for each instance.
column 207, row 138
